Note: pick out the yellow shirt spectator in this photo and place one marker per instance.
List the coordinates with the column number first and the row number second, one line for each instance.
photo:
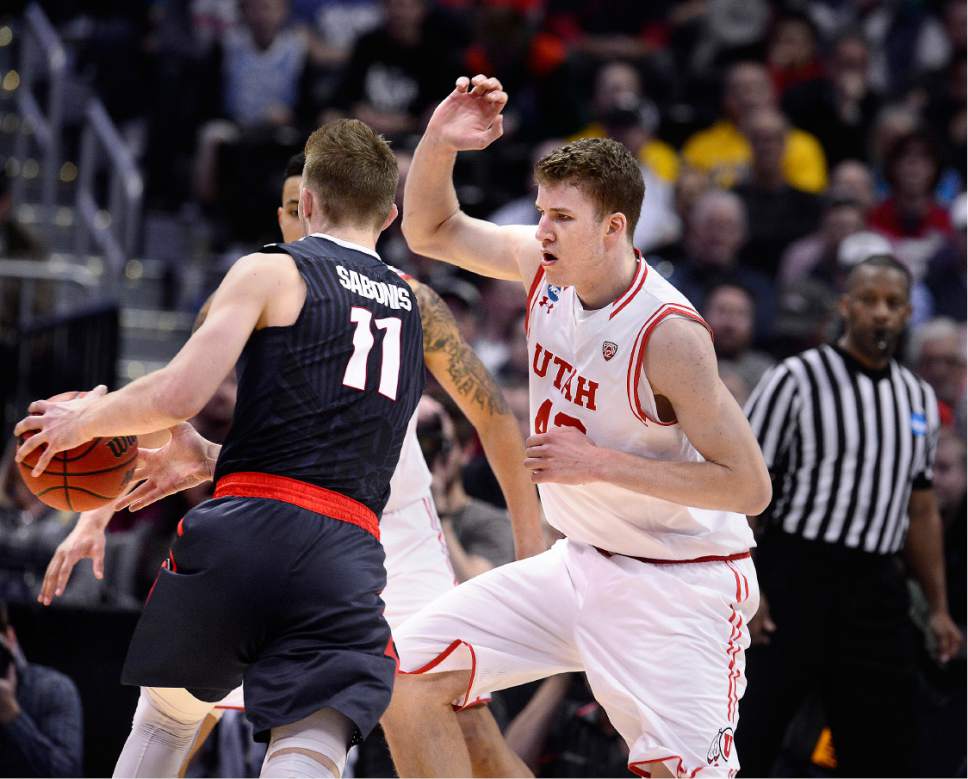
column 657, row 156
column 723, row 152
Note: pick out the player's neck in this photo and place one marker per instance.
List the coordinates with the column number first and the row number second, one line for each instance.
column 608, row 285
column 361, row 236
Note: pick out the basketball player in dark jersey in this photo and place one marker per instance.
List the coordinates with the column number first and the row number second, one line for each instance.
column 190, row 460
column 276, row 580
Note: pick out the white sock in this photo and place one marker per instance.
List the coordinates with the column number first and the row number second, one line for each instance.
column 164, row 727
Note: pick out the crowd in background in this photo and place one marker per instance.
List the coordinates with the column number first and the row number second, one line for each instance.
column 781, row 143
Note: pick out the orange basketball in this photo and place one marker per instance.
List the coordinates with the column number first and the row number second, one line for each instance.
column 85, row 477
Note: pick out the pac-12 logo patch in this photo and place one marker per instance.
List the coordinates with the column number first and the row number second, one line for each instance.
column 722, row 746
column 609, row 350
column 919, row 423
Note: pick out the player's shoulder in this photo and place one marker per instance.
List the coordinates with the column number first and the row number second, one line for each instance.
column 263, row 267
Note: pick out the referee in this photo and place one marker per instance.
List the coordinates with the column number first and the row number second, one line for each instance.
column 849, row 436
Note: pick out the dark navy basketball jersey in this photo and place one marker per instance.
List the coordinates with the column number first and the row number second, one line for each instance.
column 327, row 400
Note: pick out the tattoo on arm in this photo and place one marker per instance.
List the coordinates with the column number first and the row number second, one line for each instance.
column 467, row 373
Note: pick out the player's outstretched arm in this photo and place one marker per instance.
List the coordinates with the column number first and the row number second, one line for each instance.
column 463, row 376
column 85, row 540
column 681, row 366
column 469, row 118
column 178, row 391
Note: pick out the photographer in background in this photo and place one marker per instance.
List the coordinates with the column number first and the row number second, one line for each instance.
column 40, row 714
column 478, row 535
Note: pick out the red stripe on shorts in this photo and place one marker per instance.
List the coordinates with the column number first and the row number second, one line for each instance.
column 299, row 493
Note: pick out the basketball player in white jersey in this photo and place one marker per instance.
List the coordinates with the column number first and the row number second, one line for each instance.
column 417, row 562
column 643, row 460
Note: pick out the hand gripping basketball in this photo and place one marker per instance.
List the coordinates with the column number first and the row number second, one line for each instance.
column 71, row 472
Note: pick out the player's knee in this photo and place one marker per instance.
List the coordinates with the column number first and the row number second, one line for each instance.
column 176, row 704
column 410, row 690
column 309, row 746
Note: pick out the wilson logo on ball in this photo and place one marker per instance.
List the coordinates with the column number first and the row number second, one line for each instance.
column 119, row 446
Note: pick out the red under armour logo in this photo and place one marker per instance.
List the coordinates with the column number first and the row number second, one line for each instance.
column 545, row 302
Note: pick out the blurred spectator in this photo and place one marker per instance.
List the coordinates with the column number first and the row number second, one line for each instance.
column 724, row 152
column 563, row 731
column 815, row 256
column 839, row 108
column 945, row 279
column 335, row 24
column 263, row 82
column 777, row 213
column 632, row 126
column 518, row 363
column 730, row 311
column 792, row 52
column 478, row 535
column 29, row 532
column 504, row 303
column 41, row 724
column 521, row 211
column 397, row 70
column 906, row 41
column 805, row 317
column 609, row 29
column 717, row 230
column 949, row 486
column 853, row 179
column 464, row 301
column 936, row 352
column 618, row 86
column 911, row 217
column 531, row 64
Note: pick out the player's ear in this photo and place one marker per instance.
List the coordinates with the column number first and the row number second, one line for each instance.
column 306, row 204
column 394, row 213
column 615, row 226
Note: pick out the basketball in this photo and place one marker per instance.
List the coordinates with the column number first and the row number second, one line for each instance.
column 85, row 477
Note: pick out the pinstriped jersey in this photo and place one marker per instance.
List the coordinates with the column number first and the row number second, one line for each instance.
column 846, row 445
column 587, row 372
column 327, row 400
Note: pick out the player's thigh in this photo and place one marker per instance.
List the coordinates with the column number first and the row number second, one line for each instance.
column 417, row 563
column 663, row 648
column 511, row 625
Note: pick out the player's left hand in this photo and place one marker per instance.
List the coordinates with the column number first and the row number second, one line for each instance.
column 946, row 634
column 56, row 425
column 562, row 456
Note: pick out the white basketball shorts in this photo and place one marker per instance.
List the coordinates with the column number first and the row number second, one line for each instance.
column 662, row 644
column 417, row 563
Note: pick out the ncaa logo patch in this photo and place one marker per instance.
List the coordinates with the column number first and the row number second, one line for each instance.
column 919, row 423
column 609, row 350
column 554, row 293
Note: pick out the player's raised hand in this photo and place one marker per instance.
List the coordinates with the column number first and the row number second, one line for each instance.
column 470, row 117
column 85, row 540
column 55, row 425
column 185, row 461
column 562, row 455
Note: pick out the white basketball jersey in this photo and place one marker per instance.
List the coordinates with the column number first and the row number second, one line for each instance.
column 411, row 479
column 587, row 372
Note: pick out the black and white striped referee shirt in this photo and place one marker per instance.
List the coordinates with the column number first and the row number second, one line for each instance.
column 845, row 445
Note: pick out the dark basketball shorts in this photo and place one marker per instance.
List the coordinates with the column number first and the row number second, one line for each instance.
column 276, row 596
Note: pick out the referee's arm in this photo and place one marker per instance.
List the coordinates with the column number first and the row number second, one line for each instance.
column 923, row 550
